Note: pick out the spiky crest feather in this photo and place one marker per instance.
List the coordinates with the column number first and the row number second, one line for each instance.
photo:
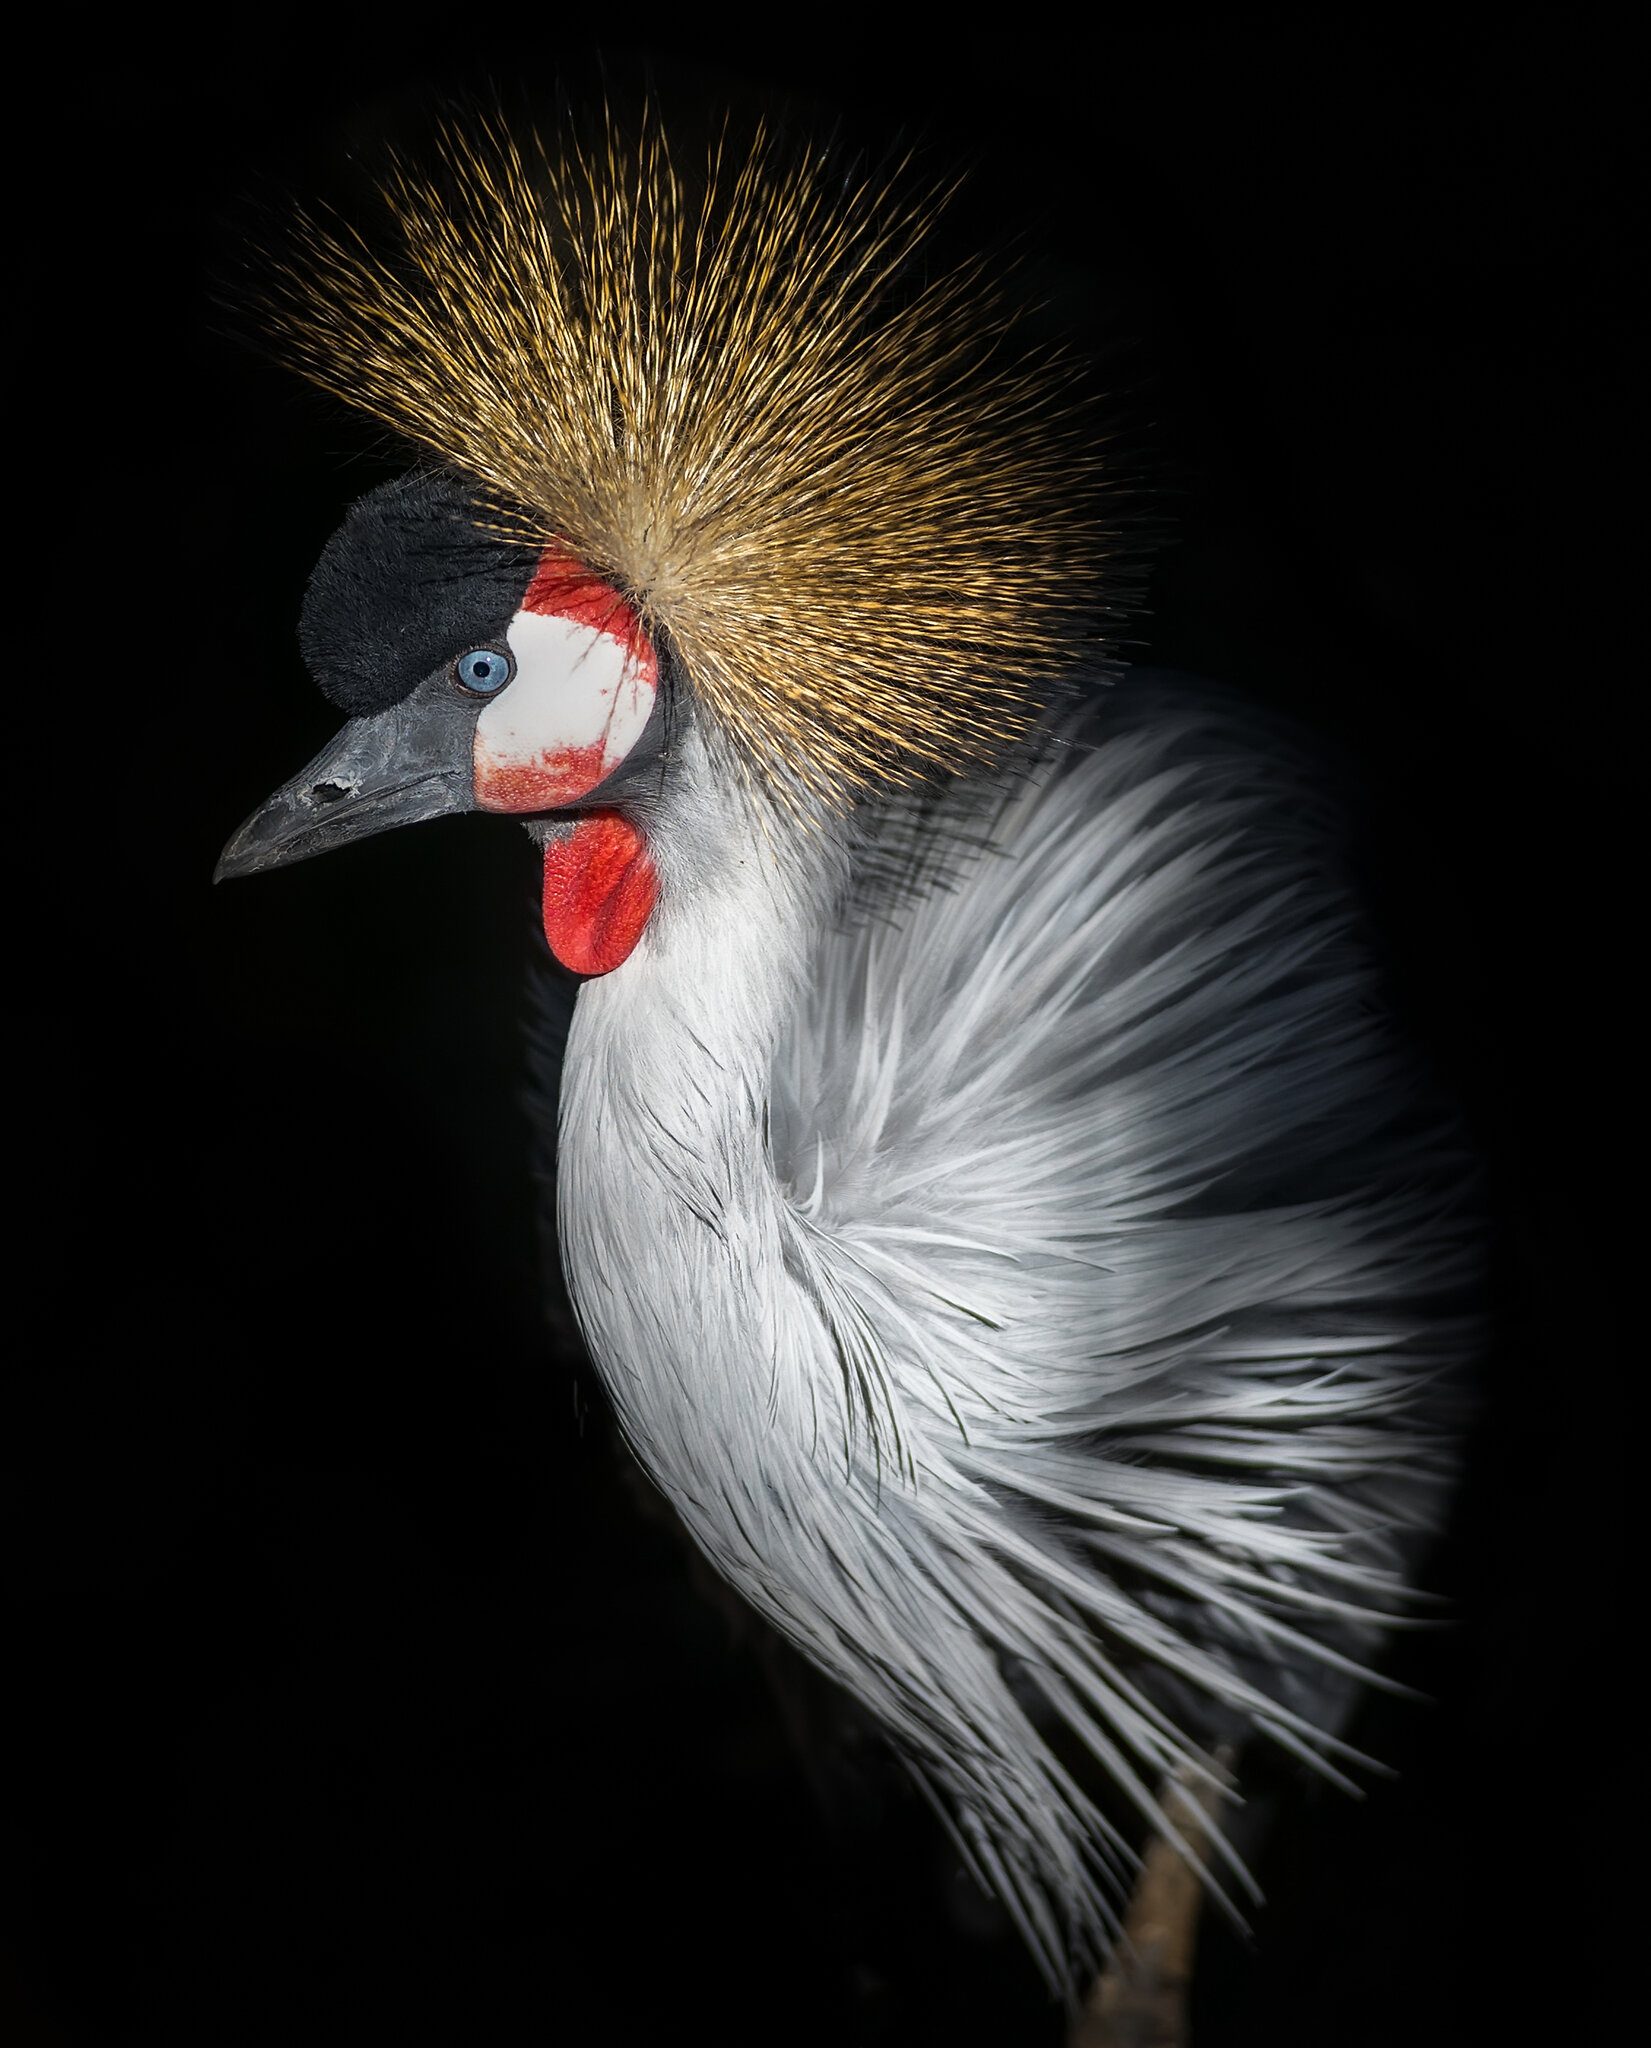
column 863, row 523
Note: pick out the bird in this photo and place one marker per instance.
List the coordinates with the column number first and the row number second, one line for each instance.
column 1010, row 1228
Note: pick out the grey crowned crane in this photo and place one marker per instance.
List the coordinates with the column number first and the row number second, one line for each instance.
column 1008, row 1230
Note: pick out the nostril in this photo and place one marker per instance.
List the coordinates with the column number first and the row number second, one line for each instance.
column 329, row 792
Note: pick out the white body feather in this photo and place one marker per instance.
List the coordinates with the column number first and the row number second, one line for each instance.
column 1019, row 1294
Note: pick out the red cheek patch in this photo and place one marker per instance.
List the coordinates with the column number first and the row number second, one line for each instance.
column 585, row 682
column 599, row 892
column 565, row 589
column 557, row 775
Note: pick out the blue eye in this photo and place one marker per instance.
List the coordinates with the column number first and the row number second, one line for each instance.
column 484, row 670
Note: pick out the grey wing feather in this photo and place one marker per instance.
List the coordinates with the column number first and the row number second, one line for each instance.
column 1149, row 1258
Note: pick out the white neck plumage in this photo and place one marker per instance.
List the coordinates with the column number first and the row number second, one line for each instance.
column 674, row 1224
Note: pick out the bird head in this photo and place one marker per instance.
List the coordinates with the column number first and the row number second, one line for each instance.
column 704, row 438
column 479, row 674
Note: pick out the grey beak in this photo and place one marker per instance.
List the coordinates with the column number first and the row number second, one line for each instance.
column 398, row 767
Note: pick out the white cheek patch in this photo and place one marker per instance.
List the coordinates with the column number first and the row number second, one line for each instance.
column 579, row 701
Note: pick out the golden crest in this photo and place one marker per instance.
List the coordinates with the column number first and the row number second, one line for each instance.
column 865, row 521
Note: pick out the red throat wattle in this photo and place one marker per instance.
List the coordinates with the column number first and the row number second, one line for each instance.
column 600, row 890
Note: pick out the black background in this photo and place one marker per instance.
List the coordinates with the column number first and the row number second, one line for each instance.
column 365, row 1694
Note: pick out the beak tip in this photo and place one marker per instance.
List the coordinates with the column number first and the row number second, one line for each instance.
column 239, row 856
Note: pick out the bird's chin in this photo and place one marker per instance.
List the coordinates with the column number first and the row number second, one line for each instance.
column 600, row 888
